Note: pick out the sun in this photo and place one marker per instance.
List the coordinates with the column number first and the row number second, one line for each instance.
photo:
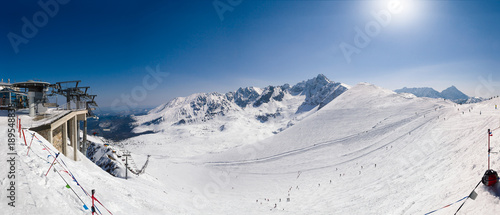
column 403, row 11
column 409, row 10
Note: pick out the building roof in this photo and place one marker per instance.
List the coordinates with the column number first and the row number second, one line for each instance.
column 32, row 85
column 5, row 84
column 12, row 91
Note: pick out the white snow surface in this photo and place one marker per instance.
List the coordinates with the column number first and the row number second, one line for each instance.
column 369, row 151
column 214, row 122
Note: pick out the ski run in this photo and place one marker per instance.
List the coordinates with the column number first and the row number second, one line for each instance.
column 368, row 151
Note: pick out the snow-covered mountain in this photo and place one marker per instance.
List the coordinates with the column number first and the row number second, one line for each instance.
column 420, row 92
column 369, row 151
column 262, row 112
column 450, row 93
column 313, row 93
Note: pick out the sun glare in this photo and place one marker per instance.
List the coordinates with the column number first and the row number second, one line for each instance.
column 404, row 12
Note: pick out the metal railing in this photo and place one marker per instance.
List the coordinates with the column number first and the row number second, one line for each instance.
column 73, row 106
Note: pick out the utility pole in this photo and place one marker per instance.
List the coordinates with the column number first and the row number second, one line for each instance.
column 93, row 207
column 489, row 149
column 126, row 167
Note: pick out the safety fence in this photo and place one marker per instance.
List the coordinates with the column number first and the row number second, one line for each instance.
column 61, row 167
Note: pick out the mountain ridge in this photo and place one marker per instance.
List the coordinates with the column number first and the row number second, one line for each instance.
column 246, row 115
column 317, row 91
column 451, row 93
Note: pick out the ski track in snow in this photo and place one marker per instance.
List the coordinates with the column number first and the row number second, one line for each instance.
column 418, row 156
column 320, row 145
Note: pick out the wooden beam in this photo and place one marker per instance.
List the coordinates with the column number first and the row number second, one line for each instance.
column 67, row 117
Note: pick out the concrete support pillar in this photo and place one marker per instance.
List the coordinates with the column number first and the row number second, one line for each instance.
column 78, row 135
column 74, row 141
column 50, row 136
column 31, row 101
column 64, row 137
column 70, row 131
column 84, row 150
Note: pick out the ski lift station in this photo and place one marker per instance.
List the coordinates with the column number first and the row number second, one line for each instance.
column 37, row 96
column 56, row 123
column 11, row 96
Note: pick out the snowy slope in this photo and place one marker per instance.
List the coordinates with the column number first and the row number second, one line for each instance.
column 428, row 153
column 384, row 153
column 195, row 124
column 40, row 194
column 423, row 162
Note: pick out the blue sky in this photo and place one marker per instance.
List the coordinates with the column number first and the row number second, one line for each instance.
column 256, row 43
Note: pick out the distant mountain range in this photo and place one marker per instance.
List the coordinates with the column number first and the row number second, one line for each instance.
column 267, row 110
column 451, row 93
